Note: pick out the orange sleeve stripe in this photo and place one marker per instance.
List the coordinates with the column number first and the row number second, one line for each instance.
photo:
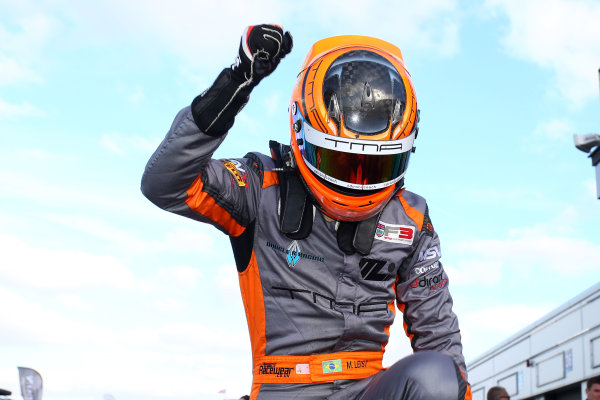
column 254, row 305
column 204, row 204
column 412, row 213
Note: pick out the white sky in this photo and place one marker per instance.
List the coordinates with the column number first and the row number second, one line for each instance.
column 106, row 295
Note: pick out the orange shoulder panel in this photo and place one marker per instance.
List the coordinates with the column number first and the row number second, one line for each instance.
column 412, row 213
column 270, row 178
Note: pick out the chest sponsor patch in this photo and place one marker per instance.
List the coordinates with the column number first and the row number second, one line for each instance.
column 394, row 233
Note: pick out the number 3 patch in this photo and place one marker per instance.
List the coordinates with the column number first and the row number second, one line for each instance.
column 395, row 233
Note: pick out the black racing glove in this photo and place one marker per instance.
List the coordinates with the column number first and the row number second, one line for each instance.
column 261, row 49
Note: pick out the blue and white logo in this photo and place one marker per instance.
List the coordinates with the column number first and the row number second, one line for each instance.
column 293, row 254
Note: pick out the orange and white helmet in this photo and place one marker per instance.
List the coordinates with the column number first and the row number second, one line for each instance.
column 353, row 120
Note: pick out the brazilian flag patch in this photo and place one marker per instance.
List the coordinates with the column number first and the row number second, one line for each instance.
column 332, row 366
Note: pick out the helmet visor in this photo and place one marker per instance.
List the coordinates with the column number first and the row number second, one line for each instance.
column 353, row 163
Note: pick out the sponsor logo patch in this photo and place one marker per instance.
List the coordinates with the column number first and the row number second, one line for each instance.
column 273, row 369
column 294, row 254
column 375, row 270
column 235, row 167
column 433, row 283
column 394, row 233
column 422, row 270
column 430, row 253
column 332, row 366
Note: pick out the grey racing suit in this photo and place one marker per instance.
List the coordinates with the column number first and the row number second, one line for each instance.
column 318, row 318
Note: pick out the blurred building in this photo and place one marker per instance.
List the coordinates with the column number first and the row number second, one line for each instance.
column 549, row 360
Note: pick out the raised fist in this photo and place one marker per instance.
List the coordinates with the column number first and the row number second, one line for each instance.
column 261, row 49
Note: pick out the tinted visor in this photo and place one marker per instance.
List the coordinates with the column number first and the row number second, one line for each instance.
column 353, row 163
column 355, row 171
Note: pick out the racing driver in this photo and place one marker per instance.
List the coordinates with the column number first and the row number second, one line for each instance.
column 324, row 235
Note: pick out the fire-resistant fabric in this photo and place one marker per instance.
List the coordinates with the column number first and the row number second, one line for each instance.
column 318, row 318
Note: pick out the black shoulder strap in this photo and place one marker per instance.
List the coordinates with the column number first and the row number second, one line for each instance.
column 357, row 236
column 296, row 210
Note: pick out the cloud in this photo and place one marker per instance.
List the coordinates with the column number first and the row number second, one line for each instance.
column 110, row 144
column 123, row 144
column 25, row 109
column 22, row 47
column 430, row 26
column 148, row 357
column 548, row 246
column 30, row 321
column 550, row 138
column 482, row 329
column 137, row 96
column 61, row 193
column 228, row 288
column 12, row 72
column 181, row 26
column 592, row 186
column 555, row 130
column 274, row 104
column 73, row 301
column 561, row 35
column 195, row 239
column 227, row 279
column 181, row 276
column 37, row 154
column 554, row 253
column 169, row 305
column 468, row 272
column 194, row 31
column 170, row 282
column 59, row 269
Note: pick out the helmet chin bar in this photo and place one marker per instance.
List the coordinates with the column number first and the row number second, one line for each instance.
column 339, row 209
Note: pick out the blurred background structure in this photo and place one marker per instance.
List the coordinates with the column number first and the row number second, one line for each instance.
column 548, row 360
